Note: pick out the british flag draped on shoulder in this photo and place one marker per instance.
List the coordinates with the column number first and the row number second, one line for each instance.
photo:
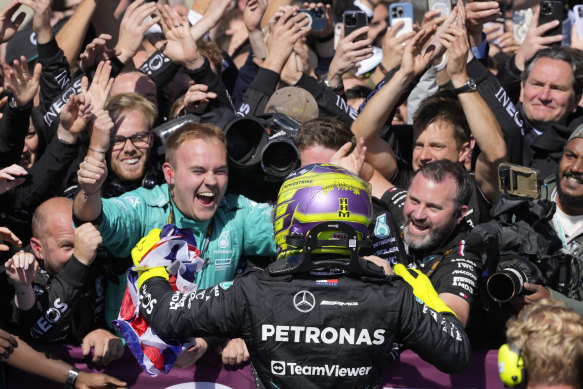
column 175, row 250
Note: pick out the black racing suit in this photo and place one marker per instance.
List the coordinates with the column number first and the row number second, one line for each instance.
column 305, row 331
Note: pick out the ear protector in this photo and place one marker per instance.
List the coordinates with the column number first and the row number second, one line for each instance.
column 511, row 365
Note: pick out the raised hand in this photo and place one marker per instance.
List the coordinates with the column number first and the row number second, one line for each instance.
column 534, row 39
column 415, row 59
column 253, row 13
column 21, row 268
column 102, row 125
column 87, row 241
column 91, row 174
column 353, row 161
column 394, row 46
column 7, row 237
column 41, row 21
column 285, row 30
column 197, row 98
column 75, row 116
column 8, row 27
column 23, row 84
column 179, row 46
column 10, row 177
column 100, row 87
column 349, row 52
column 133, row 27
column 96, row 51
column 455, row 40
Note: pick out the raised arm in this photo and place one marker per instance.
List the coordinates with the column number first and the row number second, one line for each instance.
column 481, row 120
column 70, row 38
column 371, row 119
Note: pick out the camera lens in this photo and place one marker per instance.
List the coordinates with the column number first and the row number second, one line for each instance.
column 280, row 157
column 350, row 20
column 506, row 284
column 244, row 139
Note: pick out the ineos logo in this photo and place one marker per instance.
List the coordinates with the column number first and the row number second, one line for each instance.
column 304, row 301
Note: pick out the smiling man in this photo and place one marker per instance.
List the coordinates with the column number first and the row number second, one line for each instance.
column 566, row 189
column 129, row 154
column 196, row 174
column 434, row 209
column 225, row 226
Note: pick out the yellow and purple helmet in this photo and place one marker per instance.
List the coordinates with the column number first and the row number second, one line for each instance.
column 320, row 194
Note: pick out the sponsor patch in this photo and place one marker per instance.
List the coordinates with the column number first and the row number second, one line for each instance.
column 327, row 282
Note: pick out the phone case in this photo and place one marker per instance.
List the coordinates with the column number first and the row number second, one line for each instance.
column 520, row 22
column 404, row 12
column 317, row 18
column 551, row 10
column 353, row 20
column 443, row 6
column 578, row 11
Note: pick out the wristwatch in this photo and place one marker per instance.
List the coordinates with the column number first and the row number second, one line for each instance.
column 338, row 89
column 71, row 378
column 469, row 86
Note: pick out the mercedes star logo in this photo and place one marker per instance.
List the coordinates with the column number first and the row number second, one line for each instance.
column 304, row 301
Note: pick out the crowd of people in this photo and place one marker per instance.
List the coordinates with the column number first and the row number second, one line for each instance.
column 122, row 117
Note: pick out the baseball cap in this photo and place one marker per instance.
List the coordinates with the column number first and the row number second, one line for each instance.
column 295, row 102
column 578, row 133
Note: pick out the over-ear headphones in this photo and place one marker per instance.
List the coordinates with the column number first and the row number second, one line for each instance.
column 511, row 365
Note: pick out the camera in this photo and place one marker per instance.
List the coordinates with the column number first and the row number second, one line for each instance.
column 518, row 180
column 249, row 144
column 508, row 281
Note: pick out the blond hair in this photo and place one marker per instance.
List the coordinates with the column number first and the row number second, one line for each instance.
column 192, row 131
column 550, row 337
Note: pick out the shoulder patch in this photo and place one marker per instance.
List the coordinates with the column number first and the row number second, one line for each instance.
column 226, row 285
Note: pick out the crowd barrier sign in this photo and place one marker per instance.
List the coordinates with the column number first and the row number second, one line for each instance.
column 208, row 373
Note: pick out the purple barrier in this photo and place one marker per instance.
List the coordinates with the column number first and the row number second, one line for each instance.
column 409, row 372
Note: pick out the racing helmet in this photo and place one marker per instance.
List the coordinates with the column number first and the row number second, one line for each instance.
column 325, row 196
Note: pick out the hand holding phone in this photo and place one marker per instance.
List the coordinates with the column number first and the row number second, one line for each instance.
column 551, row 10
column 401, row 12
column 353, row 20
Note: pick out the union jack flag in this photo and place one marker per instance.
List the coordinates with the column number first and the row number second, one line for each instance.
column 176, row 251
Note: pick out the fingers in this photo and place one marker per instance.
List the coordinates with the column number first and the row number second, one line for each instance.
column 100, row 352
column 86, row 346
column 7, row 344
column 8, row 236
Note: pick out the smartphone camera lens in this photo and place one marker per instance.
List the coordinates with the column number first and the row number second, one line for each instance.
column 546, row 8
column 350, row 20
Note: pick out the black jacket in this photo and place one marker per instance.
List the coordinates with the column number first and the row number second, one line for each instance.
column 305, row 331
column 68, row 306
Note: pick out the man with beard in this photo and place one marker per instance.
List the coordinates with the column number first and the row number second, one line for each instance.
column 433, row 232
column 566, row 190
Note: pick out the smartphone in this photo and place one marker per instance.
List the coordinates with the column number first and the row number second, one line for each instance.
column 401, row 12
column 353, row 20
column 578, row 11
column 518, row 180
column 499, row 28
column 443, row 6
column 317, row 18
column 520, row 22
column 551, row 10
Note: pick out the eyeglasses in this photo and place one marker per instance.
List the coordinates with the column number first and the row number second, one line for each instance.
column 140, row 140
